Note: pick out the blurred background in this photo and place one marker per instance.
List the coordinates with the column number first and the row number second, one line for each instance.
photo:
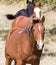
column 48, row 10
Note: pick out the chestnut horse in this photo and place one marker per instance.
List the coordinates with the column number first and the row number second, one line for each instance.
column 24, row 42
column 32, row 8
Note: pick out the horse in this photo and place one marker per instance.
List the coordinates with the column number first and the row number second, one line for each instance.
column 24, row 43
column 36, row 14
column 31, row 8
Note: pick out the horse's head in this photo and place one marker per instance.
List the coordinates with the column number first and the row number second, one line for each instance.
column 38, row 32
column 36, row 28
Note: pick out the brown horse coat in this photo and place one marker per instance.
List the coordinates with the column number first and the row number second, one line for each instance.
column 20, row 43
column 20, row 21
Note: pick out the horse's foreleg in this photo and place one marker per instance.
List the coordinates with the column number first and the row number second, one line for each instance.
column 8, row 61
column 36, row 62
column 19, row 62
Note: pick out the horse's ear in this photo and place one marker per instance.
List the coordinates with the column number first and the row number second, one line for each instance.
column 43, row 19
column 30, row 2
column 27, row 1
column 39, row 3
column 33, row 1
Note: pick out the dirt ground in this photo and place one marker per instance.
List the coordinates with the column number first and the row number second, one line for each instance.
column 49, row 52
